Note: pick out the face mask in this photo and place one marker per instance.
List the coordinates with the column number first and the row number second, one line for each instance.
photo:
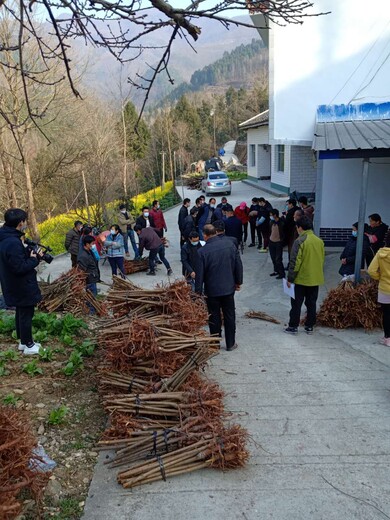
column 272, row 218
column 146, row 215
column 158, row 206
column 93, row 247
column 113, row 232
column 354, row 233
column 212, row 205
column 123, row 211
column 195, row 243
column 23, row 228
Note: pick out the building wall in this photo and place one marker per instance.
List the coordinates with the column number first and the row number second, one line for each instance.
column 341, row 193
column 341, row 57
column 258, row 137
column 303, row 170
column 280, row 180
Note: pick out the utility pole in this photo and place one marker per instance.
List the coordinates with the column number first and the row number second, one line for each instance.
column 212, row 114
column 362, row 218
column 163, row 170
column 86, row 197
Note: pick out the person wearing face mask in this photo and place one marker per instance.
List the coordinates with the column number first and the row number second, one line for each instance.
column 145, row 220
column 125, row 222
column 149, row 240
column 18, row 276
column 306, row 271
column 88, row 263
column 190, row 258
column 348, row 256
column 290, row 230
column 276, row 244
column 72, row 241
column 205, row 215
column 115, row 250
column 159, row 220
column 307, row 209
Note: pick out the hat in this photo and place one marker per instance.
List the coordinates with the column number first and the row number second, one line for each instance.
column 243, row 205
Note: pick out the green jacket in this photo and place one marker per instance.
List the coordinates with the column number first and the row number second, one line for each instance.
column 307, row 260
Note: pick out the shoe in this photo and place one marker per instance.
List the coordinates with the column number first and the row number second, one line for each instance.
column 309, row 330
column 259, row 248
column 251, row 245
column 232, row 348
column 274, row 274
column 279, row 277
column 291, row 330
column 34, row 349
column 127, row 255
column 151, row 273
column 21, row 347
column 158, row 262
column 263, row 250
column 382, row 341
column 169, row 272
column 387, row 342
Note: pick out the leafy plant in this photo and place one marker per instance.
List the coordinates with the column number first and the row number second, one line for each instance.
column 11, row 399
column 75, row 362
column 71, row 325
column 9, row 355
column 3, row 369
column 40, row 336
column 45, row 354
column 86, row 348
column 57, row 415
column 7, row 323
column 68, row 340
column 32, row 369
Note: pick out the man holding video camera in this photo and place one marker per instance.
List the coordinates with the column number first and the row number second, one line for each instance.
column 18, row 276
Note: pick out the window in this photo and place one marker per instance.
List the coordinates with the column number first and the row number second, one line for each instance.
column 252, row 155
column 280, row 157
column 214, row 176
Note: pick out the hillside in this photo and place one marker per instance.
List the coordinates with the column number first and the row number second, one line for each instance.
column 103, row 70
column 240, row 68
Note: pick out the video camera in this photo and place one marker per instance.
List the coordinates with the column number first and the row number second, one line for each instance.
column 35, row 246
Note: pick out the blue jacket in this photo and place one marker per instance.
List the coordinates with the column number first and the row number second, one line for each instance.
column 220, row 268
column 115, row 245
column 18, row 276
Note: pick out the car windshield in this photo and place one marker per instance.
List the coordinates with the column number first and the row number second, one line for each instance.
column 215, row 176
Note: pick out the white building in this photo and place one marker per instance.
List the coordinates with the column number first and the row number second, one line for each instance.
column 335, row 61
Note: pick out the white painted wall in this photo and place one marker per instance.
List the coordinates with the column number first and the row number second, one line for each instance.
column 277, row 177
column 341, row 191
column 255, row 136
column 328, row 60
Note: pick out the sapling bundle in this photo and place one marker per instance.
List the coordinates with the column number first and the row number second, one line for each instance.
column 68, row 293
column 136, row 266
column 351, row 306
column 225, row 450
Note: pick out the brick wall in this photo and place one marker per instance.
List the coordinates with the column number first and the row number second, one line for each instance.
column 336, row 237
column 303, row 170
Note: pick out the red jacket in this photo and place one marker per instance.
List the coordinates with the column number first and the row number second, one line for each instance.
column 242, row 214
column 159, row 220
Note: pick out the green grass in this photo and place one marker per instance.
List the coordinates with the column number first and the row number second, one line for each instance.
column 69, row 510
column 237, row 176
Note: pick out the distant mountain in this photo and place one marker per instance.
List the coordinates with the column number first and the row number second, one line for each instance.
column 103, row 71
column 240, row 68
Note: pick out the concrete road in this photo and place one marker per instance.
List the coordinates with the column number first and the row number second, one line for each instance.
column 317, row 409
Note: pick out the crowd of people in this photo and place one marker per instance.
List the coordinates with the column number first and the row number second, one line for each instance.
column 210, row 238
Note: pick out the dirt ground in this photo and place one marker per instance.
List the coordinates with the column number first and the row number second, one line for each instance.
column 66, row 416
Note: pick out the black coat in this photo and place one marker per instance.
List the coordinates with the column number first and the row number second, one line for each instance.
column 88, row 263
column 188, row 226
column 380, row 233
column 17, row 270
column 183, row 213
column 233, row 240
column 289, row 226
column 141, row 221
column 190, row 258
column 220, row 268
column 233, row 228
column 349, row 253
column 264, row 212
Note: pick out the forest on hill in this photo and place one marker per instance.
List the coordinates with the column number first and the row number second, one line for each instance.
column 242, row 67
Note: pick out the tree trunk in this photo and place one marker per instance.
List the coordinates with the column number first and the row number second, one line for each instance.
column 32, row 218
column 124, row 174
column 9, row 182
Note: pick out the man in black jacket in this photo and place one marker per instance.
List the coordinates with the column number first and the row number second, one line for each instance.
column 72, row 241
column 190, row 258
column 376, row 233
column 87, row 262
column 190, row 223
column 145, row 220
column 219, row 226
column 233, row 226
column 18, row 276
column 183, row 213
column 219, row 276
column 253, row 215
column 289, row 228
column 276, row 244
column 263, row 223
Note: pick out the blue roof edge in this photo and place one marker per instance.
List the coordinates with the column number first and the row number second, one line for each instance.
column 363, row 112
